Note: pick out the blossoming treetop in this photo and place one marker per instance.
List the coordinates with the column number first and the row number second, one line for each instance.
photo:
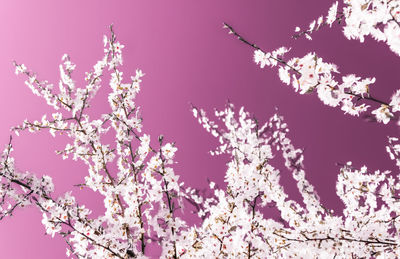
column 142, row 194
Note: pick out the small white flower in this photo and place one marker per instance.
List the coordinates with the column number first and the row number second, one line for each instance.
column 395, row 101
column 331, row 17
column 383, row 114
column 212, row 185
column 262, row 58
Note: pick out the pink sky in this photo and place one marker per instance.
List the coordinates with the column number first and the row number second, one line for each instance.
column 187, row 58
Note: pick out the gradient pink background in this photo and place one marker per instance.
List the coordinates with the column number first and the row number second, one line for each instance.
column 187, row 57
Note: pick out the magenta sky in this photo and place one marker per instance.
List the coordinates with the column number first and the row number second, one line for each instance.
column 187, row 57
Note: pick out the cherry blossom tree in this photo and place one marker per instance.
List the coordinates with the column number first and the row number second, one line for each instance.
column 140, row 197
column 142, row 194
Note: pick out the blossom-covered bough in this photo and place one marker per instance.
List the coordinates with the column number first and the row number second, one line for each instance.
column 311, row 74
column 236, row 228
column 140, row 197
column 142, row 192
column 379, row 19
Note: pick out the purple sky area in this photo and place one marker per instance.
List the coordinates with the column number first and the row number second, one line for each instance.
column 187, row 57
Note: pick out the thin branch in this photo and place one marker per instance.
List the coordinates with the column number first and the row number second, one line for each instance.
column 284, row 63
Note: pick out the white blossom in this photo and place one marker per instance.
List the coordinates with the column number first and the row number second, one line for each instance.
column 331, row 17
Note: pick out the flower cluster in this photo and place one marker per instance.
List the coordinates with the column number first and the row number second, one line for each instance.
column 379, row 19
column 311, row 74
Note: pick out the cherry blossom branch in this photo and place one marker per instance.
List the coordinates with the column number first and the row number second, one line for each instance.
column 379, row 19
column 254, row 46
column 8, row 172
column 284, row 63
column 332, row 17
column 312, row 74
column 71, row 226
